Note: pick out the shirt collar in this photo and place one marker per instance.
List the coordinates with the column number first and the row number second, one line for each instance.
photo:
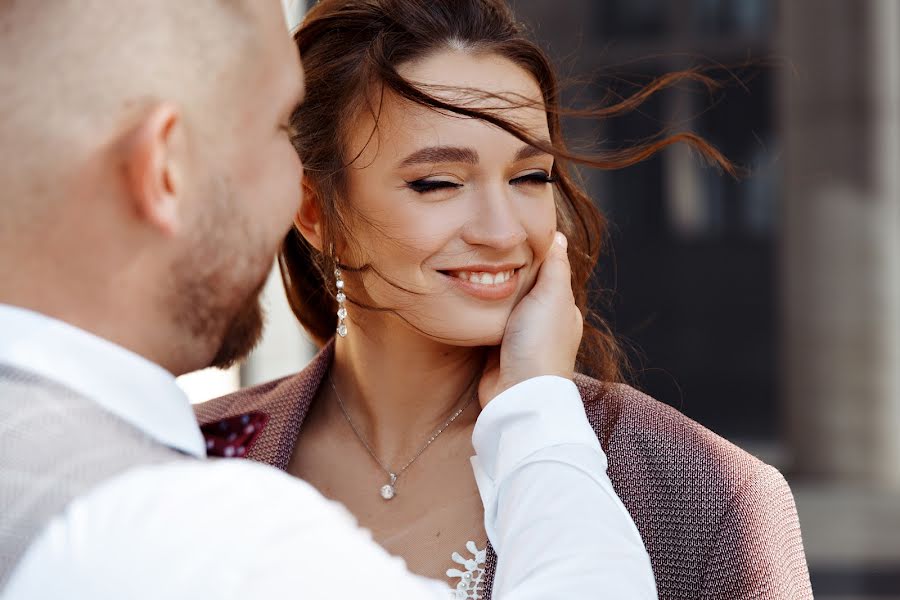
column 131, row 387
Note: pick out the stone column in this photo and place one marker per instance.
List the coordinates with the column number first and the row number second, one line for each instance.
column 886, row 81
column 840, row 253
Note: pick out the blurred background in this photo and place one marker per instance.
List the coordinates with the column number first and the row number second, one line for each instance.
column 766, row 308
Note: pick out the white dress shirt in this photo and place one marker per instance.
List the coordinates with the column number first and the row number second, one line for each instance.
column 236, row 529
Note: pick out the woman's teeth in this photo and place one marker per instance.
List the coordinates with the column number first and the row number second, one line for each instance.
column 484, row 278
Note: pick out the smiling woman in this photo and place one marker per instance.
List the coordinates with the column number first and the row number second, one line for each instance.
column 436, row 178
column 431, row 196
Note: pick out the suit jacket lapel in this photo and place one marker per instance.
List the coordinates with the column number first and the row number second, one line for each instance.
column 285, row 402
column 287, row 405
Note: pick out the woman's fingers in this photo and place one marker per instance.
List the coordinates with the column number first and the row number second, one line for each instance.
column 541, row 338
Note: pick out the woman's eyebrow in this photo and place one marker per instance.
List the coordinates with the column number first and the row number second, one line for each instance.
column 528, row 151
column 441, row 154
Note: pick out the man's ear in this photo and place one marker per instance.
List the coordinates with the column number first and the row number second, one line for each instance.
column 308, row 219
column 153, row 160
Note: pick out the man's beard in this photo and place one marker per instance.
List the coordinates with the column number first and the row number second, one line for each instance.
column 242, row 335
column 219, row 281
column 212, row 324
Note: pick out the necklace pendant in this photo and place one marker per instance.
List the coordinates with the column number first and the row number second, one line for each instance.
column 388, row 491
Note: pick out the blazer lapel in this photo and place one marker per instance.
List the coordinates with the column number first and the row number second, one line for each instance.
column 287, row 405
column 278, row 408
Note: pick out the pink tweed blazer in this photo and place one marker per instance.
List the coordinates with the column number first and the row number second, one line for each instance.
column 718, row 523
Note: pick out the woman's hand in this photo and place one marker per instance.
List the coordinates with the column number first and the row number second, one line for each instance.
column 543, row 332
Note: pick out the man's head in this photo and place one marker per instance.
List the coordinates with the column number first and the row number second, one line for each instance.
column 148, row 176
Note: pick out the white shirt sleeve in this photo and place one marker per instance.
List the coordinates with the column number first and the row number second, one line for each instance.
column 559, row 529
column 235, row 529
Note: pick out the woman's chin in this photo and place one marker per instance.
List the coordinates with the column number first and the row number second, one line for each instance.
column 456, row 326
column 469, row 336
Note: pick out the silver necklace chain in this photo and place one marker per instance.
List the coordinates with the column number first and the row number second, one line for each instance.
column 388, row 491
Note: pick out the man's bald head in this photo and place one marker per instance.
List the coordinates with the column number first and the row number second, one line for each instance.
column 74, row 71
column 148, row 178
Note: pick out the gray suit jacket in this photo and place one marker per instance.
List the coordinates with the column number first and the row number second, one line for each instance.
column 718, row 523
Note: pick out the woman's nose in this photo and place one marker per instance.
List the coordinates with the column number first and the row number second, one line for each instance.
column 496, row 221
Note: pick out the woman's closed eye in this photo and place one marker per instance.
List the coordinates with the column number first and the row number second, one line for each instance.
column 534, row 178
column 424, row 186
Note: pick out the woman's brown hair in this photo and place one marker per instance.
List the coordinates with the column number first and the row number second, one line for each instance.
column 351, row 50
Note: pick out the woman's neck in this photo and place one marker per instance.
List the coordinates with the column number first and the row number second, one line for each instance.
column 399, row 386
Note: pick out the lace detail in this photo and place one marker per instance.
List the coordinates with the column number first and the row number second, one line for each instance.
column 469, row 586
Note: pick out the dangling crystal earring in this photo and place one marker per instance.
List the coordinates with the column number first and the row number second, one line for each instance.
column 341, row 298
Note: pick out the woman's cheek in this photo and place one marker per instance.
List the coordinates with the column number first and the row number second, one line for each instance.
column 547, row 228
column 543, row 244
column 540, row 246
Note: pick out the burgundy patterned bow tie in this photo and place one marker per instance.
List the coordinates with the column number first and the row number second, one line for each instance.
column 233, row 437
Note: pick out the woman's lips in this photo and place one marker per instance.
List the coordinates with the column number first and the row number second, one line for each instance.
column 485, row 285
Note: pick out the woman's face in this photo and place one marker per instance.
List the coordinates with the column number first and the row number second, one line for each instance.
column 457, row 212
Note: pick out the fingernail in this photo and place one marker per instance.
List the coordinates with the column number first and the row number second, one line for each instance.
column 560, row 239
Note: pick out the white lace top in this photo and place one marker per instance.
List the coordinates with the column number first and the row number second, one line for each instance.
column 470, row 575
